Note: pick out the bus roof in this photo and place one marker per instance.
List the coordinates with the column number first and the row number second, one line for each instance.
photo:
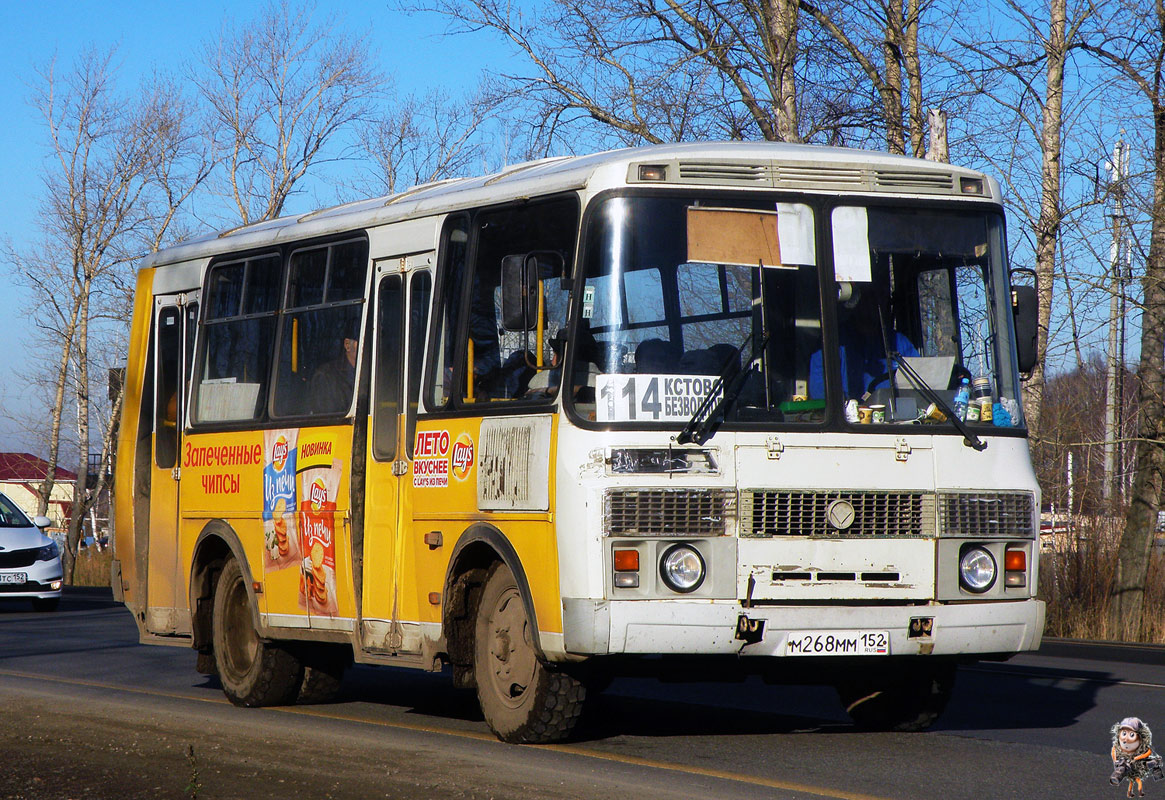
column 733, row 165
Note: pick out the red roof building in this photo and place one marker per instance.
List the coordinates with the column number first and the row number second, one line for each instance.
column 21, row 473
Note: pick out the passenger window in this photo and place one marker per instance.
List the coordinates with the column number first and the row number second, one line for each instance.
column 240, row 336
column 319, row 341
column 386, row 398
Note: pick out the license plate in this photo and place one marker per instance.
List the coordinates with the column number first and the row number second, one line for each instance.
column 13, row 577
column 838, row 643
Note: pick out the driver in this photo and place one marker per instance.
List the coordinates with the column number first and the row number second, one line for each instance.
column 861, row 351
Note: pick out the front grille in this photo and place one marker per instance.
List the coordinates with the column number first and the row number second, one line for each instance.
column 768, row 512
column 669, row 512
column 987, row 515
column 11, row 559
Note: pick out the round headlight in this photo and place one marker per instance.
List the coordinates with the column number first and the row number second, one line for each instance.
column 682, row 568
column 976, row 569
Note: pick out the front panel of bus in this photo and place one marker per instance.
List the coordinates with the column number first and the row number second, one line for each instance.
column 757, row 454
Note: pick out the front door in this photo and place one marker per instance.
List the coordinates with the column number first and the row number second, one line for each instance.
column 175, row 318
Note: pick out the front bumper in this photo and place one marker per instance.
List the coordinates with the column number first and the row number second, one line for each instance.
column 708, row 627
column 40, row 579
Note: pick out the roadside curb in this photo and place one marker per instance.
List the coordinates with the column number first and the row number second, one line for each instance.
column 1129, row 652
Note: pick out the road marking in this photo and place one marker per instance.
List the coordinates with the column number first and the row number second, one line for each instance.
column 574, row 750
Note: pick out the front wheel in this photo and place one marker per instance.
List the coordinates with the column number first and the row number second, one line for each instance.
column 524, row 701
column 253, row 672
column 908, row 698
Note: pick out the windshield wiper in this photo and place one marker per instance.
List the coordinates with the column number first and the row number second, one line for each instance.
column 970, row 439
column 710, row 413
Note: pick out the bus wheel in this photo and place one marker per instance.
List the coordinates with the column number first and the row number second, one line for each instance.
column 252, row 672
column 323, row 673
column 523, row 700
column 909, row 698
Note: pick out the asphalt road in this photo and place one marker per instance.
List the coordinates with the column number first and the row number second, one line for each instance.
column 86, row 712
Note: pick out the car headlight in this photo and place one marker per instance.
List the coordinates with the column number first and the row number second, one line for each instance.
column 976, row 569
column 48, row 553
column 682, row 568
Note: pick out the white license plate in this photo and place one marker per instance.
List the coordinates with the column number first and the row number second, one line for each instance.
column 838, row 643
column 13, row 577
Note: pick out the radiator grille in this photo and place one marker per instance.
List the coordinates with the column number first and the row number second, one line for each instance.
column 805, row 513
column 984, row 515
column 669, row 512
column 17, row 558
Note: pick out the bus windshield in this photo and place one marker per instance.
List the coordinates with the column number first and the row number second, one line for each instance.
column 679, row 290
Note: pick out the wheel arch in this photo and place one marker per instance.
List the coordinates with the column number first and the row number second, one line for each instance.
column 477, row 548
column 216, row 542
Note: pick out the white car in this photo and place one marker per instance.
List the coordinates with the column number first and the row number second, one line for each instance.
column 30, row 561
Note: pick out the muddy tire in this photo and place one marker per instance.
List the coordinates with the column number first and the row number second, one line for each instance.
column 323, row 674
column 253, row 672
column 524, row 701
column 908, row 698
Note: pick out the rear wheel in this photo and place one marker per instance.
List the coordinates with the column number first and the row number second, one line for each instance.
column 253, row 672
column 908, row 698
column 524, row 701
column 323, row 673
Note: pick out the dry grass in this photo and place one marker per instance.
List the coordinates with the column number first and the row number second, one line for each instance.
column 92, row 567
column 1075, row 582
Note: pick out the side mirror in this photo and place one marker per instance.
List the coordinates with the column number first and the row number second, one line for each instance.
column 521, row 275
column 41, row 522
column 1025, row 311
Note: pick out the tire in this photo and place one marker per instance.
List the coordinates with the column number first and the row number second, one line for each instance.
column 524, row 701
column 323, row 674
column 252, row 672
column 908, row 698
column 45, row 603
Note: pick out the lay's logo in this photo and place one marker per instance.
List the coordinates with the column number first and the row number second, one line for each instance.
column 462, row 456
column 318, row 494
column 279, row 452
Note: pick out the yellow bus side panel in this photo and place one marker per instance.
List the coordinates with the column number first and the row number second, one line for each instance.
column 443, row 485
column 285, row 493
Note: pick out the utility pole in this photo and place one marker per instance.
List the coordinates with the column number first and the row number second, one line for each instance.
column 1118, row 169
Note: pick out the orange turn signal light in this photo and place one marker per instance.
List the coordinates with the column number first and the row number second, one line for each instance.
column 626, row 560
column 1015, row 560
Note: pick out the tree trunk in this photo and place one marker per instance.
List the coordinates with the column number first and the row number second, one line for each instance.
column 892, row 94
column 918, row 118
column 1128, row 591
column 783, row 21
column 1047, row 230
column 81, row 501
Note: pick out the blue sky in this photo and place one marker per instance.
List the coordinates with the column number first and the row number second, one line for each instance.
column 163, row 36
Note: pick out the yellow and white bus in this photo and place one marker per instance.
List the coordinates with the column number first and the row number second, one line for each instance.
column 702, row 409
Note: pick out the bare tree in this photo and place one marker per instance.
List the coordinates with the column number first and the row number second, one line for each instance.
column 283, row 89
column 1130, row 40
column 111, row 190
column 419, row 140
column 650, row 72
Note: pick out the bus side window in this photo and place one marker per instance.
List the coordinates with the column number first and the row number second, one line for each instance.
column 242, row 300
column 320, row 335
column 500, row 364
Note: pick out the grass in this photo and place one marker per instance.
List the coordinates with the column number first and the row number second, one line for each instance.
column 1076, row 577
column 92, row 567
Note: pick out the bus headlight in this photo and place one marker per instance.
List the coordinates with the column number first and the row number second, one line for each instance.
column 682, row 568
column 976, row 569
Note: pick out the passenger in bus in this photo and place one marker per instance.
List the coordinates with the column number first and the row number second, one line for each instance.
column 331, row 384
column 656, row 357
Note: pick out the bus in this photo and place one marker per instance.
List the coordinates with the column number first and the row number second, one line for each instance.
column 695, row 411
